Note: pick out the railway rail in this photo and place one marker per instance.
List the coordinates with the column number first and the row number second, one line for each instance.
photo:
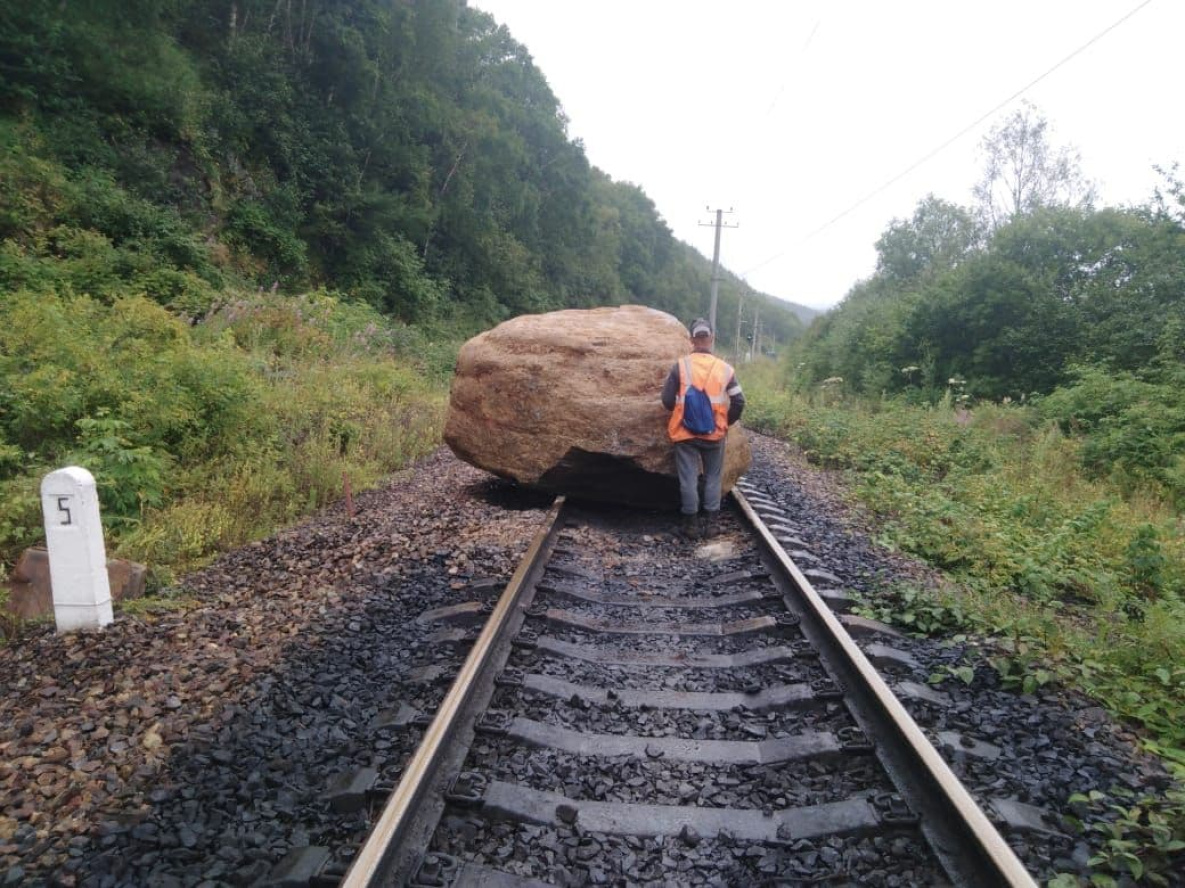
column 706, row 719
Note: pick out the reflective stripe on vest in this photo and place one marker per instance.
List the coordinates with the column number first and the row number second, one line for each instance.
column 715, row 376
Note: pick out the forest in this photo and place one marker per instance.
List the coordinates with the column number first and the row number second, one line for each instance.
column 406, row 155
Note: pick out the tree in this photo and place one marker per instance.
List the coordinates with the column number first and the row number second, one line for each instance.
column 1025, row 172
column 997, row 322
column 937, row 238
column 1168, row 201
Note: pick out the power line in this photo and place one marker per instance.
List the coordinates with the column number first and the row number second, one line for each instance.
column 953, row 138
column 805, row 46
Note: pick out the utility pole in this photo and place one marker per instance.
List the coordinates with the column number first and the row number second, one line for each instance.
column 736, row 349
column 716, row 262
column 757, row 332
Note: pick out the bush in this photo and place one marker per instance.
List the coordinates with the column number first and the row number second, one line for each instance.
column 85, row 233
column 31, row 187
column 129, row 478
column 1084, row 570
column 251, row 226
column 1133, row 428
column 71, row 358
column 207, row 435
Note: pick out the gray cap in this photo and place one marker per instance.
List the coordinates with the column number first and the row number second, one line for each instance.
column 700, row 327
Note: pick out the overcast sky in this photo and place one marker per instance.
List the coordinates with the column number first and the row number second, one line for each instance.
column 792, row 113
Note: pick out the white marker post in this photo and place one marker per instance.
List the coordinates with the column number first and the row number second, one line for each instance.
column 77, row 557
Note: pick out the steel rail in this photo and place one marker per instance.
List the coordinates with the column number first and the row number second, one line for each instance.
column 995, row 863
column 396, row 821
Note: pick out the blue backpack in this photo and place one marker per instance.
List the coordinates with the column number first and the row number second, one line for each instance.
column 698, row 416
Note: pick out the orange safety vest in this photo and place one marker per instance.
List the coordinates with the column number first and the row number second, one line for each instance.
column 712, row 375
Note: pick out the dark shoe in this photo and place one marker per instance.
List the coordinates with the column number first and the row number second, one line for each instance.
column 710, row 526
column 689, row 527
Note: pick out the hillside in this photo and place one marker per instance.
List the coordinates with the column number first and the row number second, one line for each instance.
column 407, row 155
column 805, row 313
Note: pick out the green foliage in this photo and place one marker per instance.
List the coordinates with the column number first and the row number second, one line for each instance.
column 31, row 187
column 1133, row 428
column 87, row 234
column 919, row 610
column 129, row 478
column 205, row 436
column 1137, row 678
column 1024, row 172
column 1146, row 561
column 392, row 278
column 1168, row 200
column 964, row 673
column 1020, row 663
column 1082, row 582
column 966, row 490
column 67, row 359
column 937, row 238
column 1014, row 314
column 1060, row 577
column 20, row 516
column 250, row 226
column 1141, row 838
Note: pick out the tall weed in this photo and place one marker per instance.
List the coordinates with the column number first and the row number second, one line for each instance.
column 1089, row 570
column 206, row 435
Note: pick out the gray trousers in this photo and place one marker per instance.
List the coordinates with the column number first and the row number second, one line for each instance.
column 688, row 455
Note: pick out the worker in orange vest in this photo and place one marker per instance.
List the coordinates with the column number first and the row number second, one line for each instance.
column 702, row 448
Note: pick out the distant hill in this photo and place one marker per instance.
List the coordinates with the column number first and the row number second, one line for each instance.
column 805, row 313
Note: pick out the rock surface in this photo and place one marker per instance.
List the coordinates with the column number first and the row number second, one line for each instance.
column 30, row 593
column 568, row 402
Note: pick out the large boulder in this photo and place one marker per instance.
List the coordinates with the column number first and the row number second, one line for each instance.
column 568, row 402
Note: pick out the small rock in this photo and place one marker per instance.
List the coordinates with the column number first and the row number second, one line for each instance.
column 567, row 813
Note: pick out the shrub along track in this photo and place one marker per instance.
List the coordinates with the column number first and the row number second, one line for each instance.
column 207, row 744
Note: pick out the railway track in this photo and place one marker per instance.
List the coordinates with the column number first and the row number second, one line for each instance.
column 631, row 712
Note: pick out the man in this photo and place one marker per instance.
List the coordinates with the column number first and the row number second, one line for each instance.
column 706, row 371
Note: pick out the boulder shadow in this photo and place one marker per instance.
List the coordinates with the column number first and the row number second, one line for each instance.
column 506, row 494
column 604, row 478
